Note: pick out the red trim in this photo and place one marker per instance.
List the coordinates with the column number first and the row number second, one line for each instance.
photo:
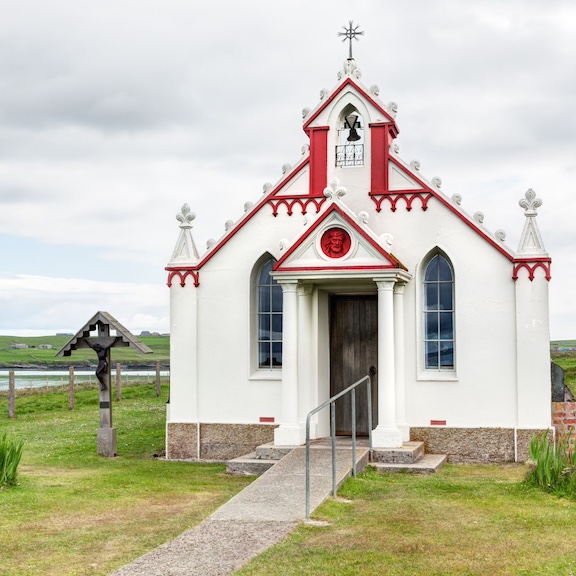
column 407, row 195
column 531, row 264
column 247, row 217
column 290, row 201
column 337, row 91
column 333, row 268
column 393, row 262
column 183, row 273
column 379, row 162
column 266, row 419
column 437, row 422
column 451, row 207
column 318, row 160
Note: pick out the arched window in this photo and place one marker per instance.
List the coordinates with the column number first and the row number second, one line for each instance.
column 269, row 306
column 439, row 314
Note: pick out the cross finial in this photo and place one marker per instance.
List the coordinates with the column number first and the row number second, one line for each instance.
column 350, row 33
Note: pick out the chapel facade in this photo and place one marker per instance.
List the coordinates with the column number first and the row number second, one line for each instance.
column 356, row 264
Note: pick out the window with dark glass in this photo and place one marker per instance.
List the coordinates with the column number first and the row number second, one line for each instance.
column 439, row 314
column 269, row 319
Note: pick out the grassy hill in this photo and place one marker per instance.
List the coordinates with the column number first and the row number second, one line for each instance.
column 33, row 356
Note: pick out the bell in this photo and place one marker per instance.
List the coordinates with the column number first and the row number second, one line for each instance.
column 351, row 123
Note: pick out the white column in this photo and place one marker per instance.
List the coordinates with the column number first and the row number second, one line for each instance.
column 533, row 351
column 289, row 432
column 386, row 434
column 307, row 385
column 399, row 362
column 183, row 405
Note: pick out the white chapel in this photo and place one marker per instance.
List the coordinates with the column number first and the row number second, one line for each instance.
column 354, row 264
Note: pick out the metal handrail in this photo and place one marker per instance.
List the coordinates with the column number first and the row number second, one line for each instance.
column 332, row 403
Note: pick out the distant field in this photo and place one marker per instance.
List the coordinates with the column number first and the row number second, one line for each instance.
column 34, row 356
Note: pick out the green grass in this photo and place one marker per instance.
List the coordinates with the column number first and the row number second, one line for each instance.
column 567, row 360
column 35, row 356
column 73, row 512
column 464, row 520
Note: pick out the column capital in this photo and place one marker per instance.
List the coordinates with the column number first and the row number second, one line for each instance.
column 305, row 289
column 399, row 288
column 288, row 285
column 385, row 284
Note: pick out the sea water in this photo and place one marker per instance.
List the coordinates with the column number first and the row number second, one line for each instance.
column 44, row 378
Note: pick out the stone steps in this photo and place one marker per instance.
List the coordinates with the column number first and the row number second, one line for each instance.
column 258, row 462
column 428, row 464
column 411, row 457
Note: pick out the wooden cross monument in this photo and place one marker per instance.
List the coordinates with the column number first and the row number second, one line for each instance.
column 101, row 344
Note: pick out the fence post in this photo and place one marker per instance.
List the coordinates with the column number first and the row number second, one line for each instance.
column 11, row 395
column 71, row 388
column 157, row 378
column 118, row 382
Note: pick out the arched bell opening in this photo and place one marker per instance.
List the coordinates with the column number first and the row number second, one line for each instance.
column 350, row 146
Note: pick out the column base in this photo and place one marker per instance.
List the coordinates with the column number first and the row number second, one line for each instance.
column 405, row 431
column 386, row 437
column 289, row 435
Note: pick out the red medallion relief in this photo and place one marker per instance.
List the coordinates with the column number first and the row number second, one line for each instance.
column 335, row 243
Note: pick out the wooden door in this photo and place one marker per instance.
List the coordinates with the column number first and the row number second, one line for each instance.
column 353, row 352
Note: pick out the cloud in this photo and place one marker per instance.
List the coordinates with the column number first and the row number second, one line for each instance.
column 45, row 304
column 113, row 114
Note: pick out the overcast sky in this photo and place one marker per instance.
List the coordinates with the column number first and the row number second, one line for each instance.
column 115, row 113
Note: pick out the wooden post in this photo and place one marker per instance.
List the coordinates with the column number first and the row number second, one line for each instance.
column 106, row 433
column 158, row 378
column 11, row 395
column 71, row 388
column 118, row 382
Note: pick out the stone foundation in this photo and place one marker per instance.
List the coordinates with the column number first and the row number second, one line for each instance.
column 216, row 441
column 181, row 441
column 475, row 445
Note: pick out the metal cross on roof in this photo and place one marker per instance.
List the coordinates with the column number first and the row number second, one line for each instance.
column 350, row 33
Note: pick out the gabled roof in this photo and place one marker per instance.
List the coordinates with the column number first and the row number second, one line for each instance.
column 101, row 321
column 348, row 82
column 366, row 252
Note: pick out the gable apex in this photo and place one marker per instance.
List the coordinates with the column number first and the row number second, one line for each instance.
column 338, row 240
column 361, row 92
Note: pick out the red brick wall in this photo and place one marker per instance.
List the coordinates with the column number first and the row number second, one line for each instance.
column 564, row 416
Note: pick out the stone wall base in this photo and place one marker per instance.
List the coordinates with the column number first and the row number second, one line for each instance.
column 475, row 445
column 207, row 441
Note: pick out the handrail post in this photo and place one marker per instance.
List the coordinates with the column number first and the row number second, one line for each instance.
column 308, row 467
column 369, row 386
column 353, row 408
column 333, row 431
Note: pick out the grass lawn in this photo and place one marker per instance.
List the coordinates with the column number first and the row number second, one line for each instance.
column 76, row 513
column 464, row 520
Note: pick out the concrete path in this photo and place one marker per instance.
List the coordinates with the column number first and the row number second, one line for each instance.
column 255, row 519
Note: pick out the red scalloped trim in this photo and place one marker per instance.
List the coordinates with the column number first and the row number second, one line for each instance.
column 407, row 196
column 531, row 266
column 183, row 274
column 291, row 201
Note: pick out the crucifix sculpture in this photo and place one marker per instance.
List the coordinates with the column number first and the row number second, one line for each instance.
column 101, row 344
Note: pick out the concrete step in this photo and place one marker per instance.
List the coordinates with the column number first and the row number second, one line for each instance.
column 428, row 464
column 249, row 465
column 409, row 453
column 270, row 452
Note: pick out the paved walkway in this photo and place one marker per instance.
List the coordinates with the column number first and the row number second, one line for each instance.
column 255, row 519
